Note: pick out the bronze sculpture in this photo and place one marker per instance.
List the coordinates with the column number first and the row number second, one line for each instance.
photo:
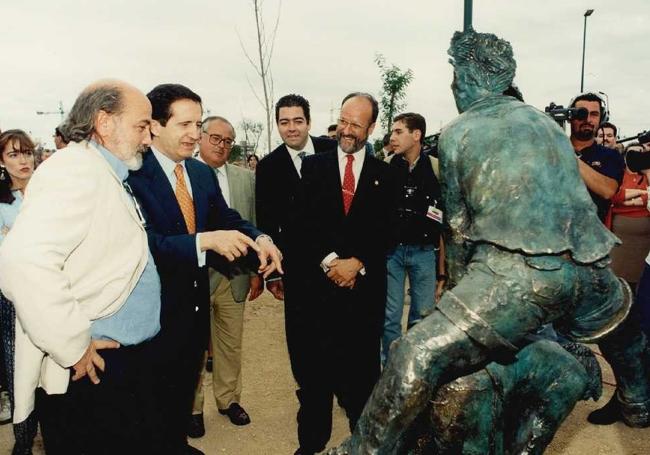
column 524, row 248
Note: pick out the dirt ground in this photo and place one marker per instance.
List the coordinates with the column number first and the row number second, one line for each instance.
column 270, row 400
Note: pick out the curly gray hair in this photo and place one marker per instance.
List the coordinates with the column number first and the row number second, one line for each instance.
column 80, row 123
column 487, row 58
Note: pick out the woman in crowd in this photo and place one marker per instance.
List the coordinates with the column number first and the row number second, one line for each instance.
column 252, row 161
column 630, row 221
column 16, row 168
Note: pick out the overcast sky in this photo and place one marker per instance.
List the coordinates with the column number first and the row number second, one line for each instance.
column 324, row 49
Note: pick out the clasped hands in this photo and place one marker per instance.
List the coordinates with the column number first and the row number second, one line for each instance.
column 343, row 272
column 234, row 244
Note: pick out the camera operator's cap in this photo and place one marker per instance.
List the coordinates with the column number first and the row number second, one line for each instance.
column 603, row 99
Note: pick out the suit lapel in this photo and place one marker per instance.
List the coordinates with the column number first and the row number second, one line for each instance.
column 361, row 190
column 287, row 162
column 233, row 186
column 334, row 182
column 162, row 190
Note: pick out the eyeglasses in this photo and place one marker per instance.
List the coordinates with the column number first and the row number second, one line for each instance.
column 353, row 126
column 215, row 139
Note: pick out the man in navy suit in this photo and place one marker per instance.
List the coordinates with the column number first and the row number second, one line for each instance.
column 189, row 227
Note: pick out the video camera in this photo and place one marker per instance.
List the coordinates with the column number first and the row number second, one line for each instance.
column 431, row 145
column 637, row 161
column 561, row 114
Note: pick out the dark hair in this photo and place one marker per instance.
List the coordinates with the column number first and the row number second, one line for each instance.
column 80, row 123
column 163, row 96
column 293, row 100
column 386, row 140
column 369, row 97
column 250, row 157
column 57, row 132
column 9, row 136
column 592, row 97
column 609, row 125
column 413, row 121
column 332, row 127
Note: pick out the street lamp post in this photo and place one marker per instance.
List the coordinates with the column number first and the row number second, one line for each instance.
column 588, row 13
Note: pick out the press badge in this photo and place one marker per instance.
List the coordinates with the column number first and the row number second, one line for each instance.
column 435, row 214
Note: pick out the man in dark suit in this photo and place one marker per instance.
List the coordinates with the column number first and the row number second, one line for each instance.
column 278, row 176
column 346, row 204
column 277, row 182
column 189, row 227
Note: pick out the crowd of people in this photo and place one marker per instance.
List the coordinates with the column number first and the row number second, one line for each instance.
column 128, row 256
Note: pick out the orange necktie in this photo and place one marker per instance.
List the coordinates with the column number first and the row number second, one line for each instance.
column 184, row 200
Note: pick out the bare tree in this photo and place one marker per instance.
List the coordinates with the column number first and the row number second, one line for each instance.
column 252, row 133
column 393, row 89
column 262, row 63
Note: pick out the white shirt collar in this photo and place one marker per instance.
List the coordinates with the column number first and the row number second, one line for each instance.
column 308, row 149
column 221, row 169
column 359, row 155
column 168, row 165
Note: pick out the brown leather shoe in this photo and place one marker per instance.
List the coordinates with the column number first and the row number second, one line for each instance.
column 236, row 414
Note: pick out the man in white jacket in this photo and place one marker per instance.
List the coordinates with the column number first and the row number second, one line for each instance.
column 77, row 267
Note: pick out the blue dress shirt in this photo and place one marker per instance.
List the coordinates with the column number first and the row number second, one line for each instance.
column 139, row 318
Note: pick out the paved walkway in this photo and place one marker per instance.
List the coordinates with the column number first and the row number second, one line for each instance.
column 270, row 400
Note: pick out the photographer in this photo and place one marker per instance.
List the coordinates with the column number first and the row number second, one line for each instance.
column 601, row 168
column 630, row 221
column 418, row 227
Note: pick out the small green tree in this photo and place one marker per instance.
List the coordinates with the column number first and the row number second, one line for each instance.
column 393, row 90
column 236, row 153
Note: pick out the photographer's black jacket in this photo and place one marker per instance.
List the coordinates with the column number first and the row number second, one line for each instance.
column 419, row 190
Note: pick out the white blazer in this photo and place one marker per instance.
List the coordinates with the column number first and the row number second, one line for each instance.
column 74, row 254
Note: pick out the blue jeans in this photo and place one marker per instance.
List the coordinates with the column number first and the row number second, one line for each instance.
column 419, row 262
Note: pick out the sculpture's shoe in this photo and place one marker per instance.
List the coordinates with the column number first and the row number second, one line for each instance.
column 636, row 415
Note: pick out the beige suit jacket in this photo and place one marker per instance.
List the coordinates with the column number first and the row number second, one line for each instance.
column 241, row 185
column 74, row 254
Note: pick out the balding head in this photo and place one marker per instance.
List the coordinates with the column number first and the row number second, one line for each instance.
column 356, row 121
column 114, row 114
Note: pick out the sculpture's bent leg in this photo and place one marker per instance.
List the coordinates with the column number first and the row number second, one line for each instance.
column 509, row 408
column 622, row 343
column 549, row 382
column 496, row 303
column 627, row 352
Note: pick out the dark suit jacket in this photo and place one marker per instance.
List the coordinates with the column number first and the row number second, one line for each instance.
column 184, row 314
column 365, row 233
column 275, row 190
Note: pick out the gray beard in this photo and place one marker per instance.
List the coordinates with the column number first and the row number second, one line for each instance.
column 135, row 163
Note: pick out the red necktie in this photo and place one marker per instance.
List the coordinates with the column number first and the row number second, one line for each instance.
column 348, row 184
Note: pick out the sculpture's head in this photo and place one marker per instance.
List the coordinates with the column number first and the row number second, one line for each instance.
column 483, row 65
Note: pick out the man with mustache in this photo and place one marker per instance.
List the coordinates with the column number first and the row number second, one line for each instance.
column 601, row 168
column 346, row 203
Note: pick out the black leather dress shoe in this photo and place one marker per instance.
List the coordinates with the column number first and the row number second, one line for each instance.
column 236, row 414
column 302, row 451
column 196, row 429
column 608, row 414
